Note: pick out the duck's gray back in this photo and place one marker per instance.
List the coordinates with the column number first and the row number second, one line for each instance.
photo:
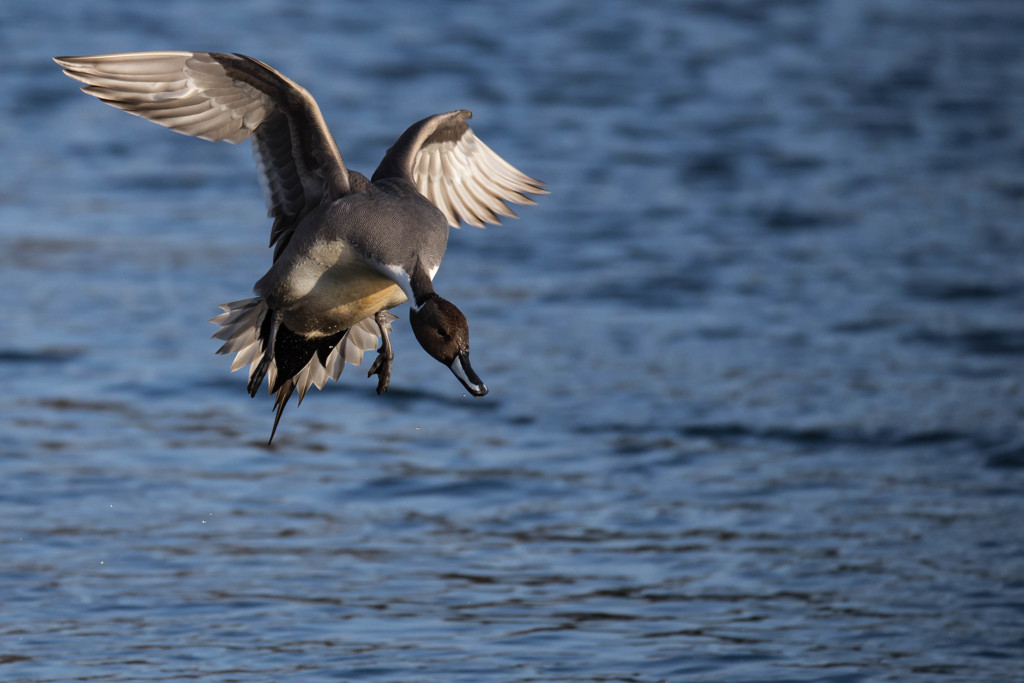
column 343, row 254
column 391, row 224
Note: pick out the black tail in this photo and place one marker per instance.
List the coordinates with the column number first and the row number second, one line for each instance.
column 291, row 353
column 283, row 395
column 259, row 340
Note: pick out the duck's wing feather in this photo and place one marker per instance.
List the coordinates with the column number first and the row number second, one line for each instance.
column 457, row 172
column 217, row 96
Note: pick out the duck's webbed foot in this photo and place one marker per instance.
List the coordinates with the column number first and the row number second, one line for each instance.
column 269, row 333
column 382, row 364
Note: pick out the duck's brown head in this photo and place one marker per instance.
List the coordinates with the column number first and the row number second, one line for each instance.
column 442, row 331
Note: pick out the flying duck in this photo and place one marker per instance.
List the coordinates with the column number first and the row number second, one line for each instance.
column 346, row 249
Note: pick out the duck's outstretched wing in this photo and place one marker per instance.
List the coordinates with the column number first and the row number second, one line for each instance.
column 457, row 172
column 217, row 96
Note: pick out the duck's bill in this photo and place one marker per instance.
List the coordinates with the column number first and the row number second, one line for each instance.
column 464, row 371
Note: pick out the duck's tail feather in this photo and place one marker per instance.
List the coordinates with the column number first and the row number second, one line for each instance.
column 283, row 394
column 243, row 330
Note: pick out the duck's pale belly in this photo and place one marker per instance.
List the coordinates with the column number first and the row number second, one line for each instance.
column 322, row 299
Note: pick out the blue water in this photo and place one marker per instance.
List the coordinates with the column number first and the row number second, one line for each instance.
column 756, row 364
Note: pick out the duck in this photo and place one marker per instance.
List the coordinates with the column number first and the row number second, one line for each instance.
column 346, row 248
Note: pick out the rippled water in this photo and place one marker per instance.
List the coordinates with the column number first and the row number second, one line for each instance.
column 756, row 363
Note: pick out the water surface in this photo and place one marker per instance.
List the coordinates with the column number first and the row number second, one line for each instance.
column 756, row 363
